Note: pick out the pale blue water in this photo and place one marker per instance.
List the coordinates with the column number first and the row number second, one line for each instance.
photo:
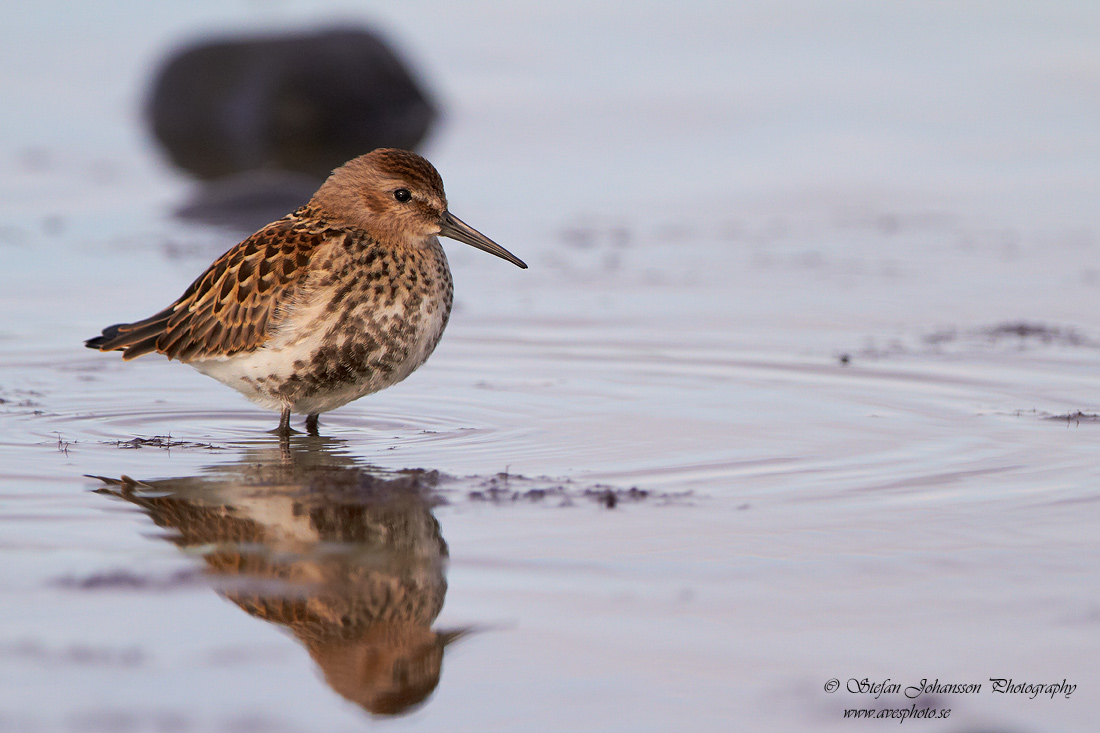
column 716, row 204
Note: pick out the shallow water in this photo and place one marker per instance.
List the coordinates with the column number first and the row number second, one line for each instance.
column 832, row 317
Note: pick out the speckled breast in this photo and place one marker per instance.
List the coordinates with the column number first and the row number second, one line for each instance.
column 367, row 318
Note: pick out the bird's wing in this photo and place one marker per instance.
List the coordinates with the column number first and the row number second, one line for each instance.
column 235, row 305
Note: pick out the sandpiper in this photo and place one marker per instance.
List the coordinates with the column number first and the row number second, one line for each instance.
column 346, row 296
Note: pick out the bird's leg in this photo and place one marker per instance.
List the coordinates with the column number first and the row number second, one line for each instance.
column 311, row 424
column 284, row 423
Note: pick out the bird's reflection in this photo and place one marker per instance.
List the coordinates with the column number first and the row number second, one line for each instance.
column 347, row 558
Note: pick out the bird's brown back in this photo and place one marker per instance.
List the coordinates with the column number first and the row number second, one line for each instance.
column 234, row 305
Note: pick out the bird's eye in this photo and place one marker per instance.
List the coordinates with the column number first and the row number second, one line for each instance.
column 402, row 195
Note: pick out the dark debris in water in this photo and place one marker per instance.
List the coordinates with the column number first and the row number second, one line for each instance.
column 77, row 654
column 1020, row 335
column 20, row 399
column 115, row 580
column 505, row 488
column 161, row 441
column 1037, row 332
column 1075, row 418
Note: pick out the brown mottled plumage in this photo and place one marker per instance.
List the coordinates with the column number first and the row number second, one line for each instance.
column 344, row 297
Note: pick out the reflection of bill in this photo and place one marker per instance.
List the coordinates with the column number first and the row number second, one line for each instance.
column 350, row 560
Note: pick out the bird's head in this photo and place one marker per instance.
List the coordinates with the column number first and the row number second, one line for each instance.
column 397, row 198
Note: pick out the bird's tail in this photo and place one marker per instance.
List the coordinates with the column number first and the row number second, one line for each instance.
column 132, row 339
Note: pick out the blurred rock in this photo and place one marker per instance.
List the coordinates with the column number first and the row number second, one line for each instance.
column 304, row 102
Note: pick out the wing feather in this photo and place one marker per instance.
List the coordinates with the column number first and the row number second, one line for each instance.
column 236, row 304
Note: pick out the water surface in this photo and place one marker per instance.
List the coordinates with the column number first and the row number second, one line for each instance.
column 818, row 285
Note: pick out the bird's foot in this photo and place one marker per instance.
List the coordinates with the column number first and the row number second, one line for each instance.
column 284, row 430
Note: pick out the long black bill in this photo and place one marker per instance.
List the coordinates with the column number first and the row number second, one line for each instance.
column 455, row 228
